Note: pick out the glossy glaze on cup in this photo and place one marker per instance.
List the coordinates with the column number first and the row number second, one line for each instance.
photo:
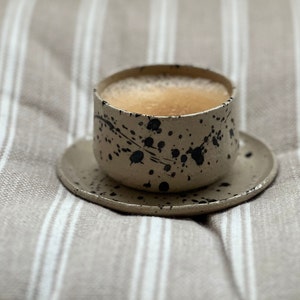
column 165, row 154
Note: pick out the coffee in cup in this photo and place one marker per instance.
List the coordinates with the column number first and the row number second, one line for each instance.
column 163, row 95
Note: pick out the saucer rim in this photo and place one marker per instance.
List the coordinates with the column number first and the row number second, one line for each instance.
column 181, row 210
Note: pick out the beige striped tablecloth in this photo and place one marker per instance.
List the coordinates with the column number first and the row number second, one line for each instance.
column 54, row 245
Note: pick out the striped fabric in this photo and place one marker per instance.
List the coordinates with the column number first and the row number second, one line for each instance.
column 54, row 245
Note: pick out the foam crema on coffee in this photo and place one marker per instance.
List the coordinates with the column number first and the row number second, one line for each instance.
column 165, row 95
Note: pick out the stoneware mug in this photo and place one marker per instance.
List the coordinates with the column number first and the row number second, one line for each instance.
column 187, row 151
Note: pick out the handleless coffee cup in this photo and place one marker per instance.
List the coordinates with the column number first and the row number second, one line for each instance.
column 165, row 153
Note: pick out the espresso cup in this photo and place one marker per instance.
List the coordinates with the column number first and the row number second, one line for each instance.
column 162, row 151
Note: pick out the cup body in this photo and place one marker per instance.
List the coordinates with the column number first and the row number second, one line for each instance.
column 165, row 153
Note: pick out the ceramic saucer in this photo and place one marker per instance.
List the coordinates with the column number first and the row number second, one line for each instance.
column 253, row 171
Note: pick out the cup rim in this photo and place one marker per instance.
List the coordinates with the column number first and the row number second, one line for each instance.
column 167, row 69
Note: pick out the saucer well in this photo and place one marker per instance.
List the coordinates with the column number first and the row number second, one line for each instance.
column 253, row 171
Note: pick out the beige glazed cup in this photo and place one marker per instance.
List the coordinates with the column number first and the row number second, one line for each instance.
column 187, row 151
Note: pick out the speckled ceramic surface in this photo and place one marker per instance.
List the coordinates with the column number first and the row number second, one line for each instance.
column 165, row 153
column 253, row 171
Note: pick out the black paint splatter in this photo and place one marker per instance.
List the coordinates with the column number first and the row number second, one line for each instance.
column 148, row 142
column 167, row 168
column 147, row 185
column 224, row 184
column 175, row 153
column 136, row 157
column 154, row 125
column 164, row 186
column 183, row 158
column 160, row 145
column 109, row 124
column 215, row 142
column 248, row 154
column 197, row 155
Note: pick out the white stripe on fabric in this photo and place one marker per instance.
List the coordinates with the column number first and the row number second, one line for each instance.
column 162, row 34
column 165, row 261
column 10, row 11
column 36, row 265
column 243, row 12
column 236, row 231
column 6, row 26
column 75, row 71
column 85, row 69
column 53, row 248
column 250, row 273
column 295, row 9
column 227, row 45
column 235, row 37
column 223, row 229
column 250, row 263
column 236, row 246
column 225, row 17
column 152, row 40
column 12, row 82
column 226, row 34
column 140, row 249
column 236, row 236
column 151, row 269
column 235, row 64
column 235, row 58
column 66, row 251
column 251, row 290
column 173, row 11
column 102, row 10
